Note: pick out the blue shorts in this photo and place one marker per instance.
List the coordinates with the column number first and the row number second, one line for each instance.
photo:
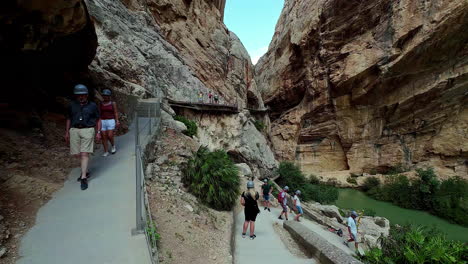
column 266, row 197
column 107, row 124
column 285, row 208
column 299, row 210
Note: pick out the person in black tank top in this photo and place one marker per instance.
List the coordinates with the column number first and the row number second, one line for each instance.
column 249, row 200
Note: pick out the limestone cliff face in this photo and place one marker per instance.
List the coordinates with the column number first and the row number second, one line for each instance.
column 141, row 48
column 176, row 49
column 172, row 48
column 369, row 85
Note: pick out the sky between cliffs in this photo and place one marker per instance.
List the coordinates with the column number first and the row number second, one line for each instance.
column 254, row 23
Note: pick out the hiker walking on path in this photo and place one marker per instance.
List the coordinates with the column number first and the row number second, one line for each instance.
column 267, row 189
column 283, row 200
column 297, row 204
column 216, row 99
column 109, row 121
column 200, row 96
column 210, row 97
column 82, row 120
column 352, row 229
column 249, row 201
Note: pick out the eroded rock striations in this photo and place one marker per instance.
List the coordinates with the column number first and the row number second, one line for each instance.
column 369, row 85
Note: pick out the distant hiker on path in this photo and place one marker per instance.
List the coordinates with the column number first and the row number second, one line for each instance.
column 210, row 97
column 82, row 119
column 352, row 229
column 216, row 99
column 200, row 96
column 283, row 200
column 109, row 121
column 267, row 189
column 297, row 204
column 249, row 201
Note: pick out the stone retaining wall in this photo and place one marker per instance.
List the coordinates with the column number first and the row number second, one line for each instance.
column 320, row 249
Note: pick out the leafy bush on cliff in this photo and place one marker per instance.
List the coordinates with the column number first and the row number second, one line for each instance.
column 191, row 126
column 447, row 199
column 213, row 178
column 259, row 125
column 417, row 244
column 291, row 175
column 370, row 183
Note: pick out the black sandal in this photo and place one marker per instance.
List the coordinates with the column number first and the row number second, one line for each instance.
column 252, row 237
column 88, row 174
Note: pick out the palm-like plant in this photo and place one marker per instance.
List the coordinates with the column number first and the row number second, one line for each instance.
column 212, row 178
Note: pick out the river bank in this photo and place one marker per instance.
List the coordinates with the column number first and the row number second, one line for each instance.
column 350, row 198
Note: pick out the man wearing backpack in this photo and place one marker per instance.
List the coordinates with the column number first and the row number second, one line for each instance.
column 283, row 200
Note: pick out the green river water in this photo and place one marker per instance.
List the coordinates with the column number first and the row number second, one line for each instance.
column 354, row 199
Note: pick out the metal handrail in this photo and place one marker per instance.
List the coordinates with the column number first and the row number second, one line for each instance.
column 144, row 220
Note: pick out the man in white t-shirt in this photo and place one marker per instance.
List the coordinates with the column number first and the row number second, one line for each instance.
column 352, row 229
column 297, row 204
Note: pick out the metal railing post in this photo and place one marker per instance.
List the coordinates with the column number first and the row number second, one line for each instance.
column 139, row 222
column 149, row 119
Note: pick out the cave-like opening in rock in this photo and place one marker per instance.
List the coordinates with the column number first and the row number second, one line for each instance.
column 41, row 62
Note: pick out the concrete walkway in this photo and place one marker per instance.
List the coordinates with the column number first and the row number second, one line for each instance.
column 92, row 226
column 267, row 246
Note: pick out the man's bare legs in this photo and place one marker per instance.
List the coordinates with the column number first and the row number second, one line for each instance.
column 84, row 156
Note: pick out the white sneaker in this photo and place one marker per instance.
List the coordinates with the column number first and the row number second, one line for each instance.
column 113, row 150
column 105, row 154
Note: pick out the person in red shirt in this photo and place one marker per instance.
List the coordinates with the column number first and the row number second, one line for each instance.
column 109, row 121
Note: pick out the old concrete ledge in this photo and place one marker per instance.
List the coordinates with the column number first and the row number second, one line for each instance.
column 320, row 249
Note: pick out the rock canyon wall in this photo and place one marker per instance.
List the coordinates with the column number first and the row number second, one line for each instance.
column 369, row 85
column 138, row 48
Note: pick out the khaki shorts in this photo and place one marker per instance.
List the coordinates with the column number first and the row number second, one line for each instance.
column 81, row 140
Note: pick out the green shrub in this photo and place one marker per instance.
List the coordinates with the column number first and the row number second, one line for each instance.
column 351, row 180
column 314, row 179
column 152, row 232
column 191, row 126
column 291, row 175
column 370, row 183
column 323, row 194
column 369, row 212
column 259, row 125
column 213, row 178
column 275, row 192
column 447, row 199
column 451, row 200
column 399, row 168
column 417, row 244
column 342, row 212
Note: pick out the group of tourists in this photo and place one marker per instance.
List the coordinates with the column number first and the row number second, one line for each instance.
column 212, row 97
column 87, row 122
column 249, row 199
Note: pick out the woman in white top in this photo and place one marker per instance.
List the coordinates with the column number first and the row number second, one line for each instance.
column 297, row 204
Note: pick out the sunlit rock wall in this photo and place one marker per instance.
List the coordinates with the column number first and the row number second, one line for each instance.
column 369, row 85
